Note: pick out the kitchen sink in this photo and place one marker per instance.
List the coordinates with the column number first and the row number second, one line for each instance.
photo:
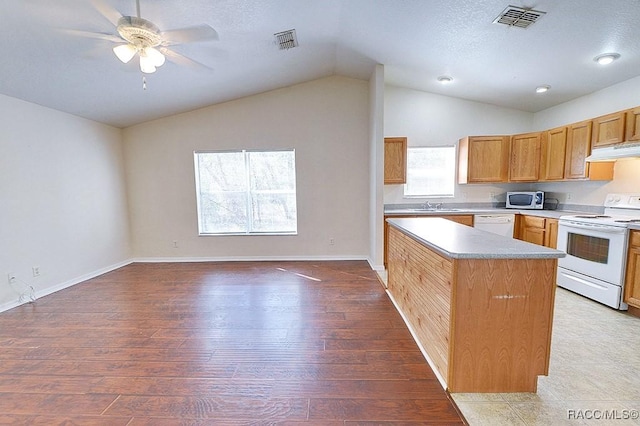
column 444, row 210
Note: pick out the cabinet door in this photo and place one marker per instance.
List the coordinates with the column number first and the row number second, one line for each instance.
column 632, row 133
column 608, row 129
column 395, row 160
column 551, row 233
column 578, row 148
column 484, row 159
column 532, row 229
column 533, row 235
column 632, row 280
column 525, row 158
column 552, row 154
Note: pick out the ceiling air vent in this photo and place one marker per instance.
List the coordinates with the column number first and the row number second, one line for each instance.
column 286, row 39
column 514, row 16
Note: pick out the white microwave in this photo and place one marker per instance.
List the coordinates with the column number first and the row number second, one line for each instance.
column 525, row 200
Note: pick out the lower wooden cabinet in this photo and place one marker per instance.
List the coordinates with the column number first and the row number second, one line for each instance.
column 464, row 219
column 632, row 280
column 537, row 230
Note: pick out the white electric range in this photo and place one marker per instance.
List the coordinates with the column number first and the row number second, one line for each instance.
column 596, row 247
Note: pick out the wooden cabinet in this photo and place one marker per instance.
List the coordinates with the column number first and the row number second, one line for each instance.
column 608, row 129
column 464, row 219
column 525, row 157
column 578, row 148
column 553, row 148
column 395, row 160
column 632, row 280
column 484, row 323
column 632, row 119
column 537, row 230
column 483, row 159
column 532, row 229
column 551, row 233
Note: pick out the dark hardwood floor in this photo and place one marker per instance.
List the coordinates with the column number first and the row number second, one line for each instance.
column 228, row 343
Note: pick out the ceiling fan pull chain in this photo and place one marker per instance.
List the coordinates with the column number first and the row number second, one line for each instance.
column 138, row 7
column 144, row 83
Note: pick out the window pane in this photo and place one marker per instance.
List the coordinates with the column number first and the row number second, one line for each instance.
column 272, row 170
column 430, row 171
column 229, row 182
column 223, row 212
column 274, row 212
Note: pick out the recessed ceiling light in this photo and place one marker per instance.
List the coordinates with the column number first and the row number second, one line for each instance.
column 445, row 79
column 542, row 89
column 606, row 58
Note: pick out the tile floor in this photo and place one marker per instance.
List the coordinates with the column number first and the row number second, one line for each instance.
column 594, row 373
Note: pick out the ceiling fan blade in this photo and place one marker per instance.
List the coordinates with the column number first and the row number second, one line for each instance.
column 106, row 10
column 179, row 59
column 89, row 34
column 189, row 35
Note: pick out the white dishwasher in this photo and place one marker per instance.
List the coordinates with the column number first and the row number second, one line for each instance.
column 501, row 224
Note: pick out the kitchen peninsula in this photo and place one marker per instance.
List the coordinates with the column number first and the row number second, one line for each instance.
column 479, row 304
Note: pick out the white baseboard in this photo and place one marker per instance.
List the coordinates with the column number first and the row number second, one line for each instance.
column 52, row 289
column 244, row 259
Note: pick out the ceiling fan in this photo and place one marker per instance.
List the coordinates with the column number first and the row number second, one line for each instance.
column 138, row 36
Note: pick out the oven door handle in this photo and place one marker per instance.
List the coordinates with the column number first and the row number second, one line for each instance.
column 575, row 225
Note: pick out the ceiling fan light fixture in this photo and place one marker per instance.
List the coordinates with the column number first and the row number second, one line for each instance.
column 125, row 52
column 154, row 55
column 146, row 65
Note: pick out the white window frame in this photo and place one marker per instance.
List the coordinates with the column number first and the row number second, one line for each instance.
column 248, row 191
column 453, row 171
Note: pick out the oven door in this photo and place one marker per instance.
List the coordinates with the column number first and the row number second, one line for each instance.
column 593, row 250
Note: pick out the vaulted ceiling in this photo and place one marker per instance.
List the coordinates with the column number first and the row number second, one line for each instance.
column 416, row 40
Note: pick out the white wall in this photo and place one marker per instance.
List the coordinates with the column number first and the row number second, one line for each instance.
column 376, row 166
column 427, row 119
column 63, row 199
column 326, row 121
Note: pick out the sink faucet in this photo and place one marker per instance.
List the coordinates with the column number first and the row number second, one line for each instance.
column 427, row 205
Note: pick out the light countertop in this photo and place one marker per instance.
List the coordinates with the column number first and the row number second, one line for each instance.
column 458, row 241
column 555, row 214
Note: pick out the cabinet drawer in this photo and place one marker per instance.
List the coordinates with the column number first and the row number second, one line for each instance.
column 634, row 239
column 533, row 221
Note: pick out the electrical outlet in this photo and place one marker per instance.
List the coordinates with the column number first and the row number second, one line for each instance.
column 11, row 277
column 331, row 241
column 175, row 244
column 36, row 271
column 568, row 196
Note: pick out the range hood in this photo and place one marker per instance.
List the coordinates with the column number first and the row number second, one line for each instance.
column 614, row 152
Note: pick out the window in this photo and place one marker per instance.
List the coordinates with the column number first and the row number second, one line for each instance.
column 430, row 171
column 246, row 192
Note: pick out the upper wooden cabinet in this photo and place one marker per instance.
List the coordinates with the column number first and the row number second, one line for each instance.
column 608, row 129
column 483, row 159
column 632, row 132
column 553, row 148
column 395, row 160
column 578, row 148
column 525, row 157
